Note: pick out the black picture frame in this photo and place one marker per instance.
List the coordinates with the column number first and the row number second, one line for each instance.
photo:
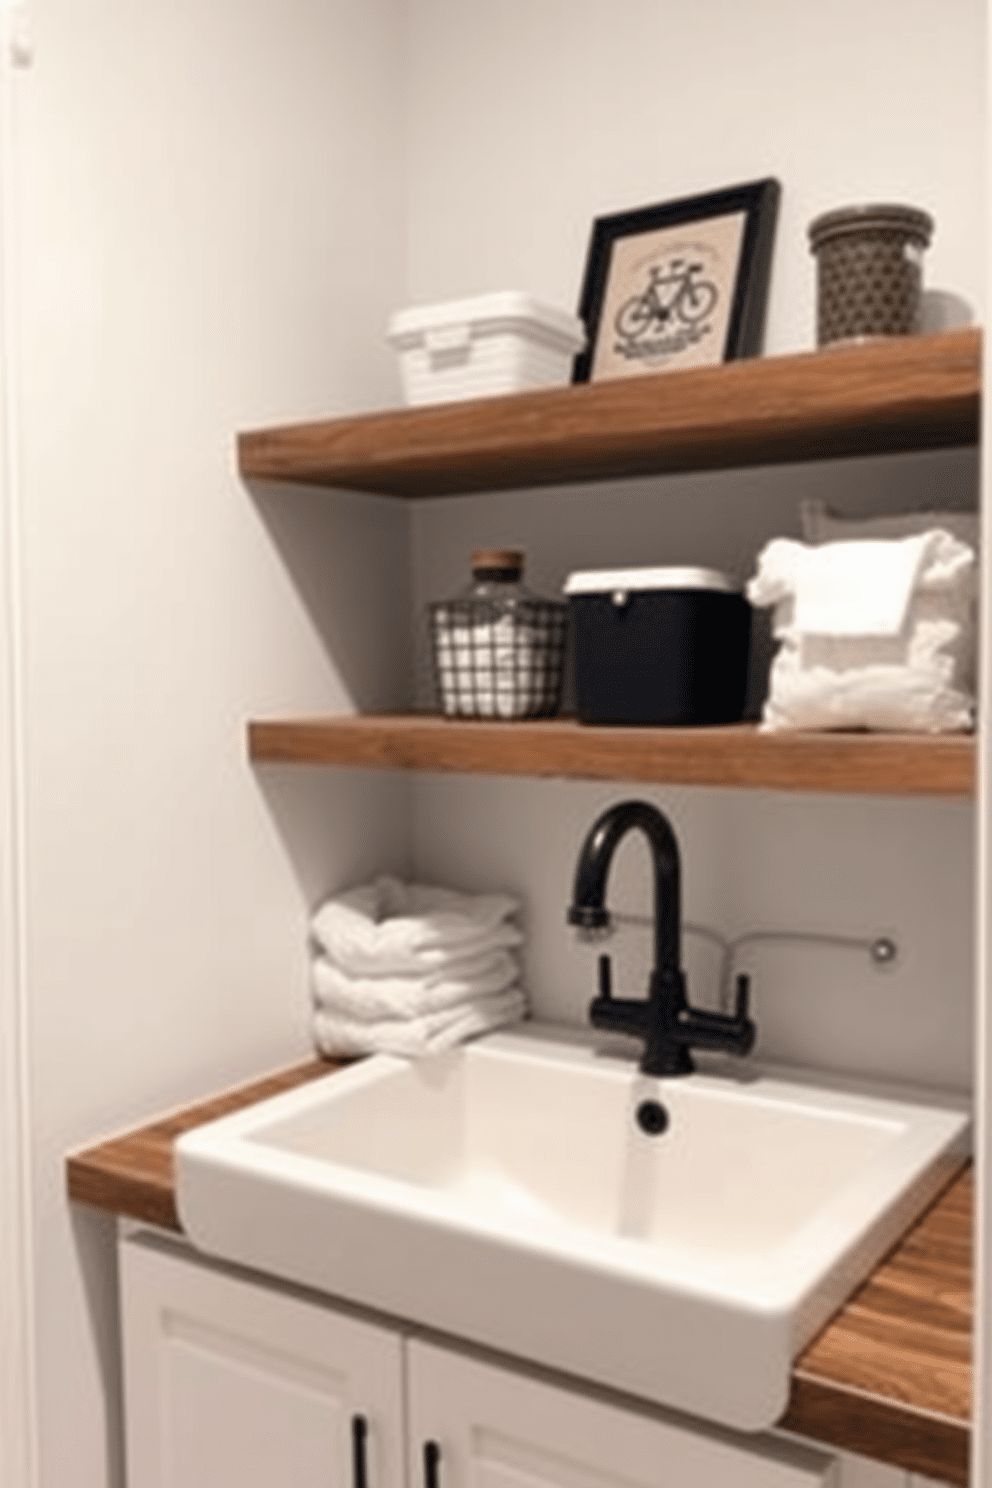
column 680, row 284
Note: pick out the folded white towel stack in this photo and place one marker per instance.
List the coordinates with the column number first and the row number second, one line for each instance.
column 873, row 633
column 413, row 969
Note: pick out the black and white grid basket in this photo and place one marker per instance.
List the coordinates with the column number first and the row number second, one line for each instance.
column 498, row 650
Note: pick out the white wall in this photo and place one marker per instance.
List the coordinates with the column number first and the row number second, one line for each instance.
column 208, row 214
column 216, row 206
column 529, row 119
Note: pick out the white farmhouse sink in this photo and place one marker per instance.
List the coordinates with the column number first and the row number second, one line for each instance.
column 505, row 1193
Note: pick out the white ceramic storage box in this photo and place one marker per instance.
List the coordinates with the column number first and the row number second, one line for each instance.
column 659, row 645
column 484, row 346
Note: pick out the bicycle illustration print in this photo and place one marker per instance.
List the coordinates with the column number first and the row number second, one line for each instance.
column 674, row 294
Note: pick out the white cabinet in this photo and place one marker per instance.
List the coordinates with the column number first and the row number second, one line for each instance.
column 228, row 1384
column 233, row 1382
column 478, row 1425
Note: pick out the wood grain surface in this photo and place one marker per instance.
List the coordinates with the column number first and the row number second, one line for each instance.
column 889, row 1377
column 134, row 1174
column 920, row 392
column 739, row 755
column 892, row 1371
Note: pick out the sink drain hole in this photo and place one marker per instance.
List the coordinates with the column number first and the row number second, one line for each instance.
column 652, row 1118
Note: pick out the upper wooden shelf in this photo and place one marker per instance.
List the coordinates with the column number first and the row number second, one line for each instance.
column 739, row 755
column 909, row 393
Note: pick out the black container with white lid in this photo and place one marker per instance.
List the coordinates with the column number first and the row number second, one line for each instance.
column 659, row 645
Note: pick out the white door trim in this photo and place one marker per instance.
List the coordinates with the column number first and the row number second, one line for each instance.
column 981, row 1444
column 18, row 1413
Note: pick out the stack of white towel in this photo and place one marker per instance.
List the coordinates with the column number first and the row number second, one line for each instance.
column 412, row 969
column 874, row 633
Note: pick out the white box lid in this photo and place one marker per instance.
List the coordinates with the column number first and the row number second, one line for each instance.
column 621, row 580
column 505, row 310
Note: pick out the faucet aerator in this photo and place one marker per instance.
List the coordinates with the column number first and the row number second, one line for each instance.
column 589, row 918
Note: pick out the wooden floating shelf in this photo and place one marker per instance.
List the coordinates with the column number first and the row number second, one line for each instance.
column 909, row 393
column 739, row 755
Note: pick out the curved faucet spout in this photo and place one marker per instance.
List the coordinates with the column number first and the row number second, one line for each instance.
column 664, row 1020
column 588, row 908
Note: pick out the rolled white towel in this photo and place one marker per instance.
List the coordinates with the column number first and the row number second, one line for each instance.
column 389, row 928
column 414, row 1038
column 370, row 999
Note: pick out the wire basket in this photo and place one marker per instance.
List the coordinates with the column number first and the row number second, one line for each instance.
column 498, row 650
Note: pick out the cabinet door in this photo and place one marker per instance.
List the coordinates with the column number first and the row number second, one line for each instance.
column 473, row 1425
column 232, row 1384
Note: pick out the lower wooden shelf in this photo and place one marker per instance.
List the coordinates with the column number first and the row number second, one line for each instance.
column 739, row 755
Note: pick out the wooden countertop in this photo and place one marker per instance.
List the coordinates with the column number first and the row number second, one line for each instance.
column 889, row 1377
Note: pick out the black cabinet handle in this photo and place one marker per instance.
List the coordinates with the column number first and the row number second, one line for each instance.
column 359, row 1436
column 432, row 1456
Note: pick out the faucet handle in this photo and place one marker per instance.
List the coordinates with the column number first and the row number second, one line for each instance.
column 617, row 1014
column 746, row 1031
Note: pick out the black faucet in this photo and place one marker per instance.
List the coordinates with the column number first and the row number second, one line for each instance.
column 664, row 1019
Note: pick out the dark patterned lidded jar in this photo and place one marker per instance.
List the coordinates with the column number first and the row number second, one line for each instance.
column 869, row 271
